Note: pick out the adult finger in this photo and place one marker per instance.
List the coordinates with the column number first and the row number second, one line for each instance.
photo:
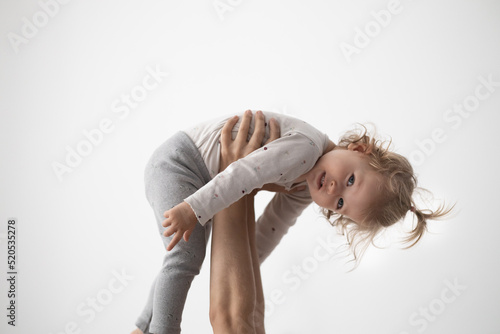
column 280, row 189
column 297, row 189
column 259, row 130
column 226, row 133
column 242, row 135
column 274, row 132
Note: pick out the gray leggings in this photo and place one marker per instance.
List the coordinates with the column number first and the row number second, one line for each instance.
column 174, row 171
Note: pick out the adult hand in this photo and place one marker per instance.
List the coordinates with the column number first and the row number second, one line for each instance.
column 232, row 150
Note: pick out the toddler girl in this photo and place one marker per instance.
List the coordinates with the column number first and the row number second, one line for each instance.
column 358, row 181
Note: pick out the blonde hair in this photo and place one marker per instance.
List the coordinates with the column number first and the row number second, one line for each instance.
column 396, row 199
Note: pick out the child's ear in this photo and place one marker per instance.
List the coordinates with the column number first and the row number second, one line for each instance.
column 359, row 147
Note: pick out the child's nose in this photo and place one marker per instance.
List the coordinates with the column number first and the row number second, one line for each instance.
column 332, row 188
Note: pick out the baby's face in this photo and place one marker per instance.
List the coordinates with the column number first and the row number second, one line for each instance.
column 343, row 181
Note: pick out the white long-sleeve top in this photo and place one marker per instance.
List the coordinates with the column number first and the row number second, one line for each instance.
column 281, row 161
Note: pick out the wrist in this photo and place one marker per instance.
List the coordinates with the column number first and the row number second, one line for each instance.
column 189, row 212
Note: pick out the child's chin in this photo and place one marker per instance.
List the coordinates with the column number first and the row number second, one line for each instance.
column 315, row 199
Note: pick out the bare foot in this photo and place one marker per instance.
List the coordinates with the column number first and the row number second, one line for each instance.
column 137, row 331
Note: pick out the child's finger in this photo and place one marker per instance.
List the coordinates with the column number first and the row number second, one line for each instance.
column 187, row 234
column 226, row 133
column 259, row 131
column 177, row 237
column 169, row 231
column 241, row 137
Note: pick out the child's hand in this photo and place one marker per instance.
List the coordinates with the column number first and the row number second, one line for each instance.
column 181, row 220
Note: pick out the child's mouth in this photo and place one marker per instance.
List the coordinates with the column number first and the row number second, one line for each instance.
column 321, row 180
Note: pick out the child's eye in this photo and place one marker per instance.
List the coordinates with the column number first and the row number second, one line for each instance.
column 351, row 180
column 340, row 204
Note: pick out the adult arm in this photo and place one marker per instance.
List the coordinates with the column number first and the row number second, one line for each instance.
column 236, row 296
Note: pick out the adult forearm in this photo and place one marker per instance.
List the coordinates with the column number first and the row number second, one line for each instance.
column 232, row 282
column 259, row 293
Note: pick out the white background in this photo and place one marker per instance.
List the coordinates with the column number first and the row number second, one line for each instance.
column 285, row 56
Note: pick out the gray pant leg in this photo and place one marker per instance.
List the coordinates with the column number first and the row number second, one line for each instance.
column 175, row 171
column 145, row 318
